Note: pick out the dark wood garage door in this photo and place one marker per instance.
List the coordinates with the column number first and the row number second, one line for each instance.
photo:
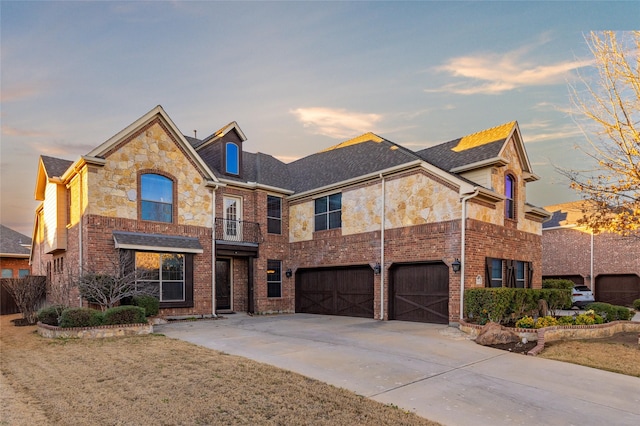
column 420, row 292
column 618, row 289
column 335, row 291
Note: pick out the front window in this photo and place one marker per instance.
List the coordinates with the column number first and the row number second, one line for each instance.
column 232, row 158
column 23, row 273
column 156, row 194
column 274, row 278
column 509, row 193
column 162, row 274
column 520, row 274
column 328, row 212
column 496, row 272
column 7, row 273
column 274, row 214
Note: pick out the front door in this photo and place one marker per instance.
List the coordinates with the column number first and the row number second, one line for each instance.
column 223, row 284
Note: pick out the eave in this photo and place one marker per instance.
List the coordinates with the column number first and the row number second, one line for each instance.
column 490, row 162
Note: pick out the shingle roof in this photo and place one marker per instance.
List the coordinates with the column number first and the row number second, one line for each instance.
column 346, row 162
column 11, row 242
column 565, row 214
column 55, row 167
column 470, row 149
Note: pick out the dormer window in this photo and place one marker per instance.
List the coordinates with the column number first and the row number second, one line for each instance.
column 509, row 193
column 232, row 158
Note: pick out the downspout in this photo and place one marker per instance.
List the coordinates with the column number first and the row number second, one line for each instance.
column 80, row 218
column 213, row 251
column 382, row 220
column 592, row 280
column 463, row 239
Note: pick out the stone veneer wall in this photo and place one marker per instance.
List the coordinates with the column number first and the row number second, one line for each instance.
column 98, row 332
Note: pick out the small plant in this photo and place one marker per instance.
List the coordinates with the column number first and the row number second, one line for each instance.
column 547, row 321
column 610, row 312
column 636, row 305
column 124, row 315
column 50, row 315
column 525, row 322
column 150, row 304
column 80, row 317
column 567, row 320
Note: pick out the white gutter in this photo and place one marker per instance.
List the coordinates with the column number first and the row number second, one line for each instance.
column 382, row 269
column 213, row 251
column 255, row 185
column 592, row 279
column 80, row 239
column 463, row 237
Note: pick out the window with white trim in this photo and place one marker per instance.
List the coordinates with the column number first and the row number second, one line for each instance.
column 156, row 198
column 328, row 212
column 162, row 274
column 274, row 215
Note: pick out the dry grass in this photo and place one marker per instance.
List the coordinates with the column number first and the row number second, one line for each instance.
column 156, row 380
column 620, row 353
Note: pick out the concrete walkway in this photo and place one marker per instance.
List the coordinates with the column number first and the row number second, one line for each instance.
column 433, row 370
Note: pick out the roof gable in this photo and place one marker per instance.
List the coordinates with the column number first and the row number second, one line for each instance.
column 50, row 169
column 13, row 243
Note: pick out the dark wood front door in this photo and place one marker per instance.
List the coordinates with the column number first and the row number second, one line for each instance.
column 223, row 284
column 335, row 291
column 420, row 292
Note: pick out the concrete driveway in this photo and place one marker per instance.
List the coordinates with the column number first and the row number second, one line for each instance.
column 433, row 370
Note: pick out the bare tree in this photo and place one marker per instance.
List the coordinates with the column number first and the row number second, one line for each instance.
column 29, row 293
column 608, row 111
column 107, row 288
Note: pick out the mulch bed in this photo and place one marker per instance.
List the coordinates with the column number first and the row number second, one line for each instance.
column 518, row 348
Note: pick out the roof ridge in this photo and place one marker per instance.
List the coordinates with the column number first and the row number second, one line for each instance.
column 365, row 137
column 484, row 137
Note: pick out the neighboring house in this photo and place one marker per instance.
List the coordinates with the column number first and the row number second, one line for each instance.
column 364, row 228
column 14, row 261
column 14, row 253
column 608, row 263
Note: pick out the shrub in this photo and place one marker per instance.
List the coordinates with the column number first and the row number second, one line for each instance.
column 567, row 320
column 124, row 315
column 584, row 319
column 610, row 312
column 50, row 315
column 547, row 321
column 636, row 305
column 559, row 284
column 80, row 317
column 525, row 322
column 150, row 304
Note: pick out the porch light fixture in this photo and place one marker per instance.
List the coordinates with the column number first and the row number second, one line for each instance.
column 377, row 268
column 456, row 265
column 288, row 273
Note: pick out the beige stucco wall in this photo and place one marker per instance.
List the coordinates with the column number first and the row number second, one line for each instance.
column 410, row 200
column 113, row 187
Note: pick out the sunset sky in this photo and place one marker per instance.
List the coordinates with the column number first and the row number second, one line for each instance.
column 297, row 76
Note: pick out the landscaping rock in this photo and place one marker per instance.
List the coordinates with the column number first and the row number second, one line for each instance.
column 496, row 334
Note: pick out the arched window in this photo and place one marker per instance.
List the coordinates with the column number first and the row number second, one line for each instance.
column 232, row 158
column 509, row 193
column 156, row 198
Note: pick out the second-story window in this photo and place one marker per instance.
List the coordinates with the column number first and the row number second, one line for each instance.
column 232, row 159
column 328, row 212
column 274, row 214
column 509, row 193
column 156, row 198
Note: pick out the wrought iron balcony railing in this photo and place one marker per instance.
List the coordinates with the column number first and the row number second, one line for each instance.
column 238, row 231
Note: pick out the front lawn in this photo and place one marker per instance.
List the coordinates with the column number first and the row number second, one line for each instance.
column 156, row 380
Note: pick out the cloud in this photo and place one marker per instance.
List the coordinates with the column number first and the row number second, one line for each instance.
column 12, row 131
column 494, row 73
column 336, row 123
column 542, row 131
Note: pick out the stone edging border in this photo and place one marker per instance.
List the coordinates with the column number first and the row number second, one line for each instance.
column 100, row 331
column 562, row 332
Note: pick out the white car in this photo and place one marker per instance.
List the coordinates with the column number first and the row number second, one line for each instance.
column 581, row 296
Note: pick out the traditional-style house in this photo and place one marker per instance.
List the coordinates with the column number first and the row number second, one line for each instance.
column 609, row 264
column 14, row 260
column 364, row 228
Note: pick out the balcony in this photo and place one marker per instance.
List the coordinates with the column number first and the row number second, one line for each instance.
column 237, row 232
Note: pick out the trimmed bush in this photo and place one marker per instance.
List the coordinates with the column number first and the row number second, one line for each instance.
column 525, row 322
column 547, row 321
column 80, row 317
column 124, row 315
column 567, row 320
column 610, row 312
column 50, row 315
column 560, row 284
column 150, row 304
column 636, row 305
column 503, row 305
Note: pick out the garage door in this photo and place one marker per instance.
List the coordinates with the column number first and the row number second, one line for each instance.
column 420, row 292
column 335, row 291
column 618, row 289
